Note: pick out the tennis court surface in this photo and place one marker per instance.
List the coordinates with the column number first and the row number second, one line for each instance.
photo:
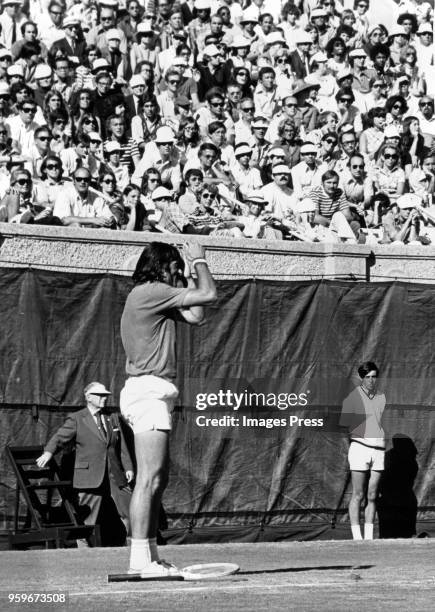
column 333, row 575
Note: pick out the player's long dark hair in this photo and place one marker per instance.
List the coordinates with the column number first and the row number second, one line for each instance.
column 154, row 260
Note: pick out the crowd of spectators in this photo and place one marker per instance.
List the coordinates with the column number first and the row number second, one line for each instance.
column 304, row 120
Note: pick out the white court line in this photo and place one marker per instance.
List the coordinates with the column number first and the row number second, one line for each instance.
column 239, row 587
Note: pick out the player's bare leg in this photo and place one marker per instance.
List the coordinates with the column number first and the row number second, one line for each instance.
column 359, row 480
column 370, row 510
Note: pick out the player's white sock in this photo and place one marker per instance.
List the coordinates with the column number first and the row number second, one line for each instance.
column 154, row 550
column 356, row 532
column 140, row 553
column 368, row 531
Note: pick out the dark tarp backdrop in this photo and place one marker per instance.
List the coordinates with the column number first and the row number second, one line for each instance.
column 302, row 341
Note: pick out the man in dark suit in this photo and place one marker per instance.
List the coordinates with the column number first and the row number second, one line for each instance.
column 73, row 45
column 299, row 59
column 103, row 468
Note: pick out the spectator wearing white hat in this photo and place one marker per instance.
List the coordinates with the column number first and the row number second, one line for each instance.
column 247, row 178
column 300, row 59
column 403, row 226
column 72, row 44
column 162, row 155
column 398, row 42
column 255, row 220
column 11, row 21
column 98, row 35
column 43, row 77
column 424, row 46
column 118, row 61
column 134, row 101
column 260, row 146
column 278, row 194
column 361, row 77
column 145, row 47
column 320, row 20
column 200, row 24
column 308, row 172
column 320, row 75
column 214, row 71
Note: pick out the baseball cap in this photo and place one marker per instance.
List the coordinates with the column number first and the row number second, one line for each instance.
column 250, row 15
column 4, row 89
column 97, row 389
column 161, row 192
column 240, row 41
column 145, row 28
column 202, row 5
column 5, row 53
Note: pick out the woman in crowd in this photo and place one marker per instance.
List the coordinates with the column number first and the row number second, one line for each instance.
column 388, row 176
column 372, row 138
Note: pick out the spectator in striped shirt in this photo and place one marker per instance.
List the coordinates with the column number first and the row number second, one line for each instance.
column 332, row 208
column 116, row 131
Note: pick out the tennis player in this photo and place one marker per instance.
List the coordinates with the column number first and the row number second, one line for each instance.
column 164, row 293
column 361, row 414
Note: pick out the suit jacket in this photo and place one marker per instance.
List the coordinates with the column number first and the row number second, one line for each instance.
column 130, row 106
column 297, row 65
column 64, row 46
column 93, row 451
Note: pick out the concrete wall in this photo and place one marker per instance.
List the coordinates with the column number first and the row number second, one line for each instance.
column 80, row 250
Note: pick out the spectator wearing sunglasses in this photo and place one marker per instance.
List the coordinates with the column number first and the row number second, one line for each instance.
column 78, row 206
column 425, row 115
column 20, row 203
column 214, row 111
column 388, row 176
column 22, row 127
column 52, row 181
column 39, row 150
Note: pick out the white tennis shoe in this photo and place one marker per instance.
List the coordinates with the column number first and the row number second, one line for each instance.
column 157, row 569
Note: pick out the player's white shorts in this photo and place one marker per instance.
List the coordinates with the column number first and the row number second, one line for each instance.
column 362, row 458
column 147, row 401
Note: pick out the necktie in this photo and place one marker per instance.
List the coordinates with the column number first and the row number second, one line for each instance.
column 100, row 424
column 14, row 30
